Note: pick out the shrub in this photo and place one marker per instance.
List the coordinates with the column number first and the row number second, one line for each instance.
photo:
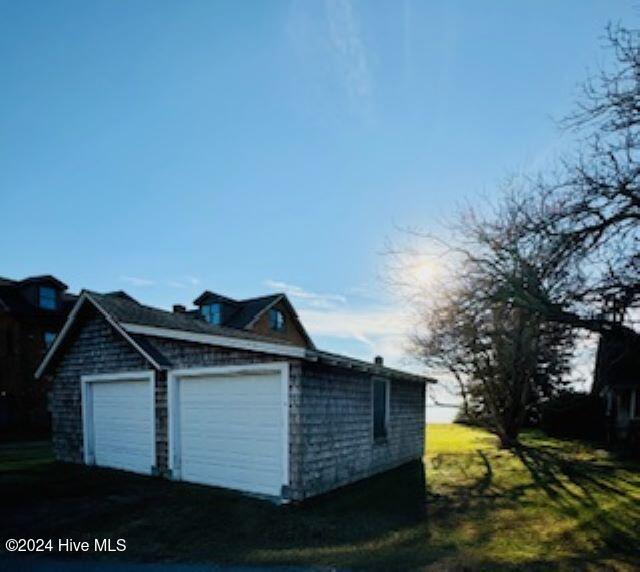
column 573, row 414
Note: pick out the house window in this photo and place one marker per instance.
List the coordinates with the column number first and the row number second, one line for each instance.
column 636, row 410
column 48, row 338
column 610, row 399
column 276, row 320
column 47, row 298
column 380, row 408
column 624, row 404
column 212, row 313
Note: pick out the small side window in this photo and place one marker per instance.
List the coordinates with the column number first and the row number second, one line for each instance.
column 380, row 408
column 276, row 320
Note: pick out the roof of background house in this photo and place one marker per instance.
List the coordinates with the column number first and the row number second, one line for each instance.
column 250, row 308
column 13, row 300
column 617, row 360
column 140, row 324
column 208, row 296
column 44, row 278
column 244, row 311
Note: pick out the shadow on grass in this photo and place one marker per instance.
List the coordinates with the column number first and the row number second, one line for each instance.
column 581, row 488
column 171, row 521
column 397, row 520
column 584, row 506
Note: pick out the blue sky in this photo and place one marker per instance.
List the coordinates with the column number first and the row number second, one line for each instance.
column 245, row 147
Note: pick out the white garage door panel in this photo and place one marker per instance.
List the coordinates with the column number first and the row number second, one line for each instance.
column 122, row 425
column 231, row 432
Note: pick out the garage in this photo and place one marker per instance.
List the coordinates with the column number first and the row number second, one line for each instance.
column 224, row 407
column 229, row 427
column 118, row 421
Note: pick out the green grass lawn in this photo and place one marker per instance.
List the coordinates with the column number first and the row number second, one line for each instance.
column 551, row 505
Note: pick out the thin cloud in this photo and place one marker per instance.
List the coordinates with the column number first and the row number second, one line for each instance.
column 185, row 282
column 377, row 329
column 328, row 44
column 137, row 281
column 362, row 324
column 350, row 54
column 313, row 299
column 380, row 331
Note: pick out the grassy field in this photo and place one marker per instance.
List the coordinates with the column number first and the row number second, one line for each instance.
column 551, row 505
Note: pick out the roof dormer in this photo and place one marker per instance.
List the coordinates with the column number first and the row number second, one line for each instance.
column 215, row 308
column 44, row 292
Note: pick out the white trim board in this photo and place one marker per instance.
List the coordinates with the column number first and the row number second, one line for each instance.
column 276, row 349
column 246, row 344
column 86, row 385
column 173, row 407
column 217, row 340
column 54, row 346
column 71, row 319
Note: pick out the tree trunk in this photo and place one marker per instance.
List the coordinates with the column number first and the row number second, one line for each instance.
column 508, row 437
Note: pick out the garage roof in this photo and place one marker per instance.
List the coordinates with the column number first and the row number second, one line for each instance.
column 135, row 321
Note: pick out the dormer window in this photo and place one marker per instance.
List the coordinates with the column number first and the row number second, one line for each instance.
column 212, row 313
column 47, row 298
column 276, row 320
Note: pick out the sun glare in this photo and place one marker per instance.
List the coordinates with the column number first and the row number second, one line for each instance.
column 425, row 272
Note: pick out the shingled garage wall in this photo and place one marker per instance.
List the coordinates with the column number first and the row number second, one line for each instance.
column 332, row 429
column 96, row 349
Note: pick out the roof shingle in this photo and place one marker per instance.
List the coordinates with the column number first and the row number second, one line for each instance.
column 127, row 310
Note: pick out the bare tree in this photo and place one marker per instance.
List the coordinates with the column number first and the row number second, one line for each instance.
column 503, row 355
column 555, row 254
column 580, row 228
column 590, row 214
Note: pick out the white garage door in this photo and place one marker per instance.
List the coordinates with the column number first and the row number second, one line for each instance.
column 121, row 425
column 230, row 430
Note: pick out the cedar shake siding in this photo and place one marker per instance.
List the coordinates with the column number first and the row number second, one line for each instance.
column 330, row 412
column 332, row 428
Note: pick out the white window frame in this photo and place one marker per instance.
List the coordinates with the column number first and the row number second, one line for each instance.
column 173, row 406
column 86, row 397
column 387, row 410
